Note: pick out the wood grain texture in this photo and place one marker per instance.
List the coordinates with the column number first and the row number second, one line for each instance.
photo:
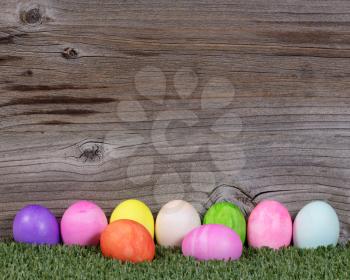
column 107, row 100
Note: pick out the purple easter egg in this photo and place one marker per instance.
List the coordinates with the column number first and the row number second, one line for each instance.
column 36, row 224
column 212, row 242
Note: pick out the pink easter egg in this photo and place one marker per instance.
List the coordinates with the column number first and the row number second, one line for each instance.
column 82, row 224
column 212, row 242
column 269, row 225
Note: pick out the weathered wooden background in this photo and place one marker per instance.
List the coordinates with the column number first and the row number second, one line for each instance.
column 107, row 100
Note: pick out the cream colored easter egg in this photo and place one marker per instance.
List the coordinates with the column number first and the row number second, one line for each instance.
column 174, row 220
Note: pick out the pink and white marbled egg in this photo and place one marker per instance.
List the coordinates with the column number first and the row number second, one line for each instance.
column 212, row 242
column 269, row 225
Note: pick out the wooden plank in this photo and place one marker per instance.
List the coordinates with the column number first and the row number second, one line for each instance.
column 198, row 100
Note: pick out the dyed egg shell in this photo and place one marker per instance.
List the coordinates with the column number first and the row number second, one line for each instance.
column 135, row 210
column 174, row 220
column 36, row 224
column 269, row 225
column 212, row 242
column 82, row 224
column 316, row 224
column 228, row 214
column 127, row 240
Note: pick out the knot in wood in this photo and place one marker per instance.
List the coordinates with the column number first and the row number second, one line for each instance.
column 28, row 73
column 91, row 152
column 32, row 16
column 70, row 53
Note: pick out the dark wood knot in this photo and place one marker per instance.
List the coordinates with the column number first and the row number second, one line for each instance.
column 91, row 152
column 70, row 53
column 32, row 16
column 28, row 73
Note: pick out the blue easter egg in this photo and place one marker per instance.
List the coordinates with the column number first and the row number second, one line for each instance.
column 316, row 224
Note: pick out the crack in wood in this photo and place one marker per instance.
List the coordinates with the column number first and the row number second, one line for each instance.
column 233, row 193
column 140, row 53
column 72, row 112
column 10, row 58
column 54, row 122
column 37, row 100
column 25, row 88
column 304, row 37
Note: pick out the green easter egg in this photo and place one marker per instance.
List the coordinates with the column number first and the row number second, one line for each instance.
column 228, row 214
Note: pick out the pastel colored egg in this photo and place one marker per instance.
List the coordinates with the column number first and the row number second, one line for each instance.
column 127, row 240
column 212, row 242
column 135, row 210
column 82, row 224
column 315, row 225
column 269, row 225
column 174, row 220
column 36, row 224
column 228, row 214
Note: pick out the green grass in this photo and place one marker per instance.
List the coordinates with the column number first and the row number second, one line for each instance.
column 20, row 261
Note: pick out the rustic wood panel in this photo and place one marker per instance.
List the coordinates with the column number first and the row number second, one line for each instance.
column 199, row 100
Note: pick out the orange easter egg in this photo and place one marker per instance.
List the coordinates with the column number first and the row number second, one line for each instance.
column 127, row 240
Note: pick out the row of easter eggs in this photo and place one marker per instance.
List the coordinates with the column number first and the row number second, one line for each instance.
column 130, row 234
column 269, row 225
